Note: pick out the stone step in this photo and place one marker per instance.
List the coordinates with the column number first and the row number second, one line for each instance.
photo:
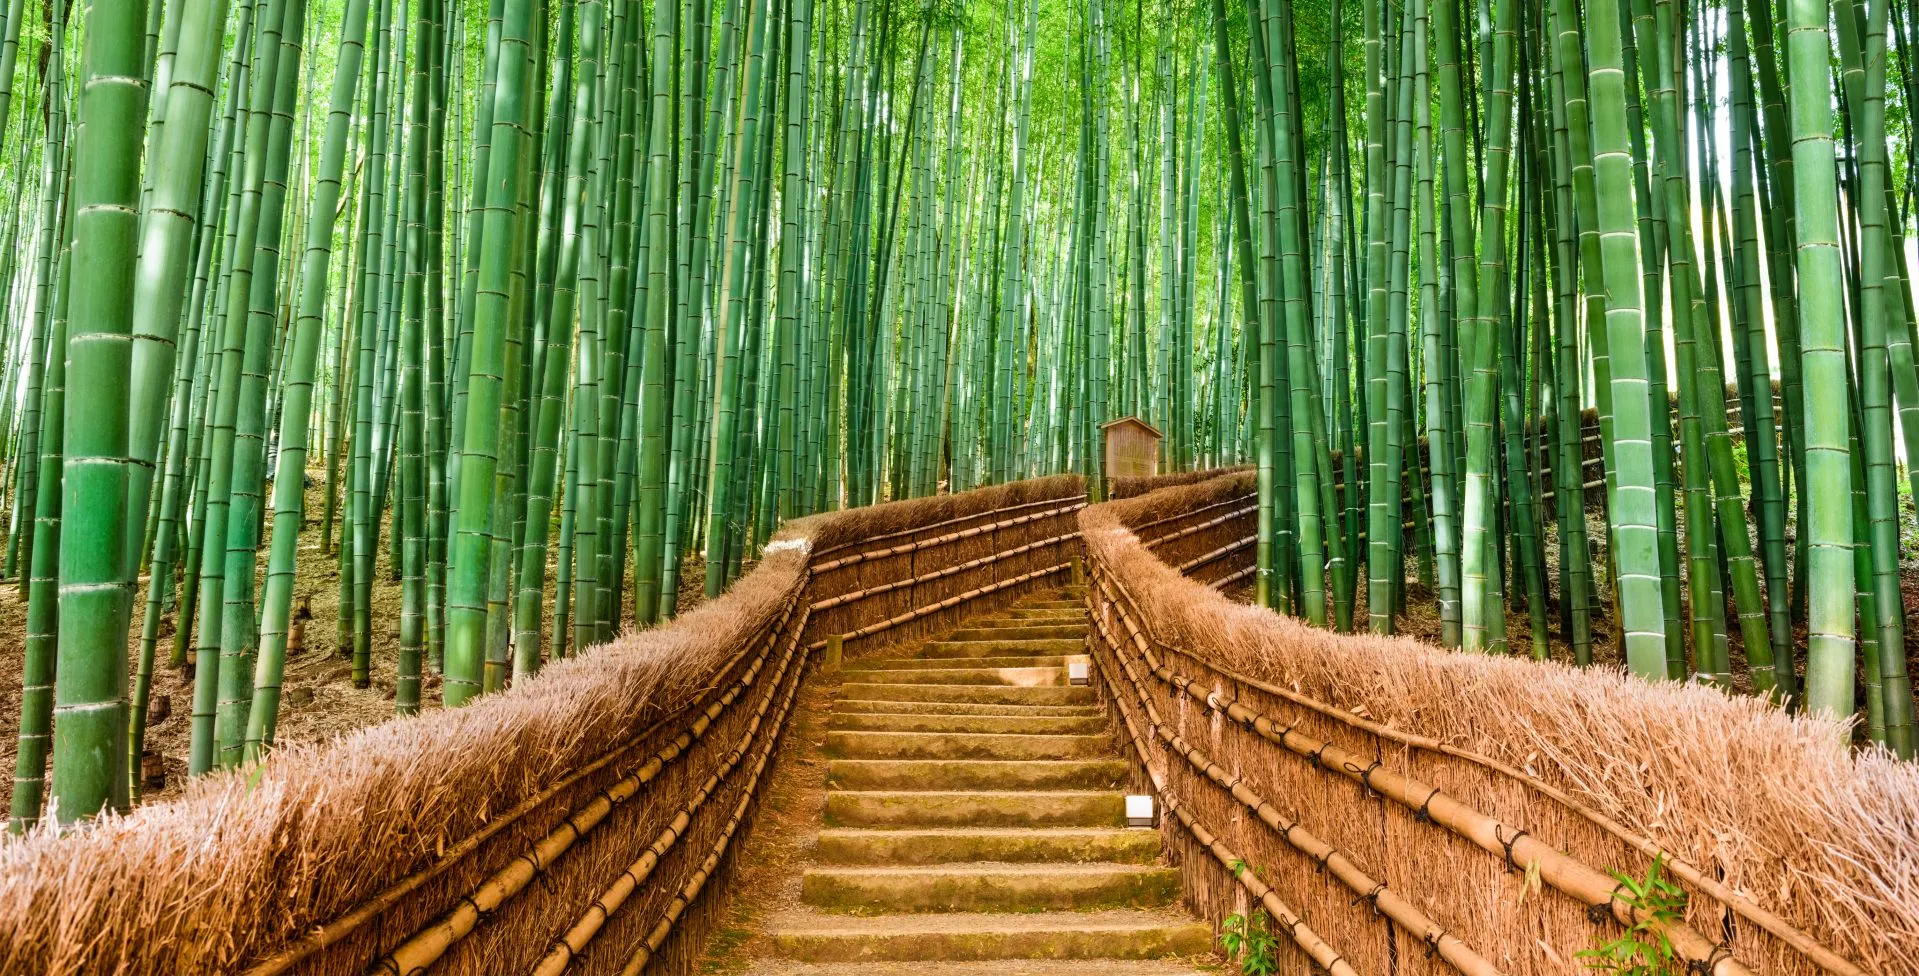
column 1047, row 615
column 971, row 694
column 901, row 775
column 964, row 745
column 862, row 668
column 1014, row 846
column 945, row 808
column 1050, row 605
column 1019, row 630
column 871, row 706
column 1022, row 676
column 967, row 937
column 1027, row 617
column 997, row 967
column 1001, row 648
column 999, row 724
column 989, row 887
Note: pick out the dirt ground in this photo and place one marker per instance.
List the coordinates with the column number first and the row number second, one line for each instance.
column 785, row 827
column 318, row 698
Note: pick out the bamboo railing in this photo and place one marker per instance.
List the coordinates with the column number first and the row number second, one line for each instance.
column 608, row 858
column 1375, row 848
column 581, row 821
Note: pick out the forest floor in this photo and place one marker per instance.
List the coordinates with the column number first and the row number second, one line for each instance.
column 318, row 699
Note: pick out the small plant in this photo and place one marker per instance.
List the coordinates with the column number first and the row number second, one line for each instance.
column 1644, row 949
column 1250, row 942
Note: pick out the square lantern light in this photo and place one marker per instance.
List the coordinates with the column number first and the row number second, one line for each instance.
column 1140, row 811
column 1079, row 671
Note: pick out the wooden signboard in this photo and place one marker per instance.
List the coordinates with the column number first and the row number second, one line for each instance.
column 1132, row 448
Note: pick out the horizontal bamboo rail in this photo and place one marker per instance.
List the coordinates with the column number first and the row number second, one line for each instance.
column 1212, row 555
column 1557, row 869
column 1364, row 886
column 953, row 570
column 1198, row 527
column 345, row 925
column 1225, row 581
column 943, row 539
column 644, row 952
column 1302, row 934
column 1140, row 529
column 429, row 944
column 948, row 603
column 1739, row 904
column 583, row 931
column 940, row 525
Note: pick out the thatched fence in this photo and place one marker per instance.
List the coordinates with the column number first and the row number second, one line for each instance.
column 1396, row 808
column 578, row 822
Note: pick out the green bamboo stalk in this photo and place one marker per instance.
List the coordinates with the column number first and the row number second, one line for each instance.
column 90, row 714
column 1827, row 532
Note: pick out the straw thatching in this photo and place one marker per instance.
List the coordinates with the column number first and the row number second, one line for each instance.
column 1789, row 832
column 1118, row 488
column 328, row 856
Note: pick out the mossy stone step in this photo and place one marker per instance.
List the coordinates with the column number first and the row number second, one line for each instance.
column 873, row 706
column 818, row 937
column 902, row 775
column 988, row 887
column 976, row 808
column 1017, row 630
column 978, row 967
column 1002, row 648
column 1048, row 615
column 974, row 694
column 1020, row 676
column 862, row 667
column 846, row 744
column 1021, row 724
column 973, row 823
column 1017, row 616
column 1013, row 846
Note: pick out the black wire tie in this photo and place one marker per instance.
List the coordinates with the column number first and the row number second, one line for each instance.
column 1602, row 913
column 1508, row 842
column 1425, row 813
column 1704, row 967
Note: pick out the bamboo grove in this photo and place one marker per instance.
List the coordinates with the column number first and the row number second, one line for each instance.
column 556, row 302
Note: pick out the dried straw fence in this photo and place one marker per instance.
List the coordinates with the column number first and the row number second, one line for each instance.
column 578, row 823
column 1401, row 809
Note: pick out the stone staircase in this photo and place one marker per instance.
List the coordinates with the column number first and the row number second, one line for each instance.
column 975, row 821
